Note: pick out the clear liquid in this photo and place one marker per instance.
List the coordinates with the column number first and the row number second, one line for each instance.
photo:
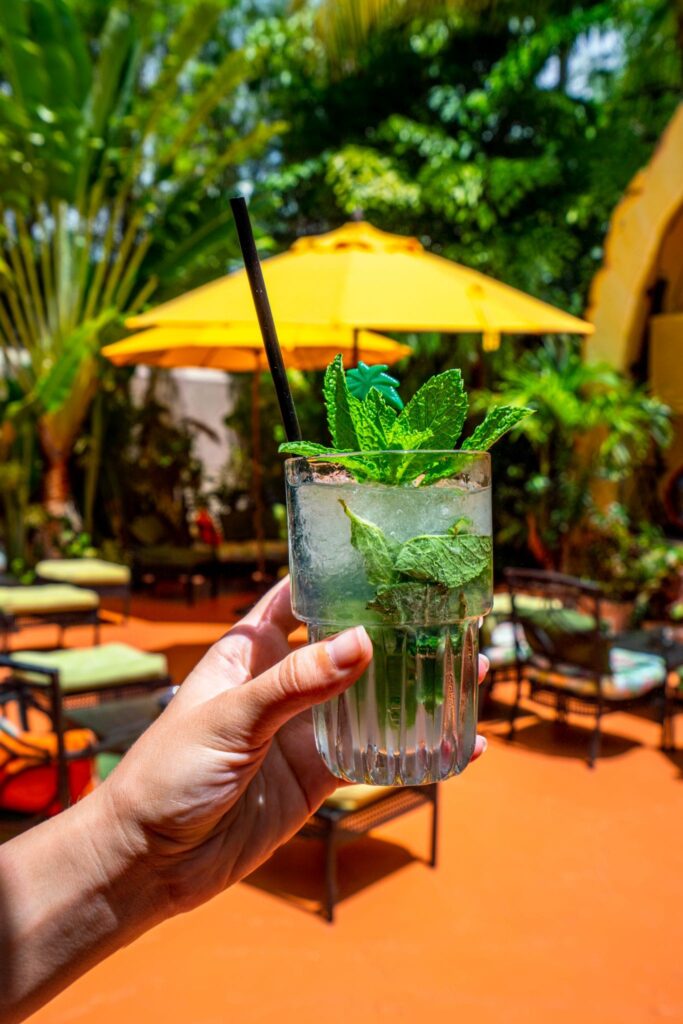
column 328, row 577
column 411, row 718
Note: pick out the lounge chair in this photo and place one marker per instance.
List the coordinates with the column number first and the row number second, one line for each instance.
column 108, row 579
column 55, row 603
column 566, row 657
column 106, row 689
column 352, row 811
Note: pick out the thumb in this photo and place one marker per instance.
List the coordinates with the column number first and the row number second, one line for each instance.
column 306, row 677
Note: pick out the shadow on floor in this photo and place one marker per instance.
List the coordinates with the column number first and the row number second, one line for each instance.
column 676, row 759
column 296, row 872
column 568, row 740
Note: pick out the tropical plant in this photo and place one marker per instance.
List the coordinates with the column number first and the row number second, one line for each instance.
column 635, row 562
column 118, row 138
column 503, row 141
column 591, row 425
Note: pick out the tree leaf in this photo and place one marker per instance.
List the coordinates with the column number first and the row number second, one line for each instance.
column 436, row 413
column 497, row 422
column 451, row 561
column 375, row 548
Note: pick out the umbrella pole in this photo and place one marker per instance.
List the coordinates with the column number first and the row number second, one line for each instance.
column 257, row 477
column 354, row 357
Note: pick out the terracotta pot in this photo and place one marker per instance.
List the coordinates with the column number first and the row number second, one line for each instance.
column 618, row 614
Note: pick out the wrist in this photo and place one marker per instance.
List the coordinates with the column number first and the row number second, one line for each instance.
column 129, row 881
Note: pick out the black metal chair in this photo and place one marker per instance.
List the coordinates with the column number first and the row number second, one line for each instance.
column 117, row 711
column 570, row 661
column 355, row 811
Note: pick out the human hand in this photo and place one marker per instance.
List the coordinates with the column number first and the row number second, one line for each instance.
column 230, row 770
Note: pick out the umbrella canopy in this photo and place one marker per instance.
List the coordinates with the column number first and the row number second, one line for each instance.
column 360, row 277
column 238, row 348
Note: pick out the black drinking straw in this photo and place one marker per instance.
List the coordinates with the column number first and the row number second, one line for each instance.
column 265, row 317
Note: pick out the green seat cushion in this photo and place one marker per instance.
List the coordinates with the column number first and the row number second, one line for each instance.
column 41, row 600
column 89, row 572
column 566, row 635
column 93, row 668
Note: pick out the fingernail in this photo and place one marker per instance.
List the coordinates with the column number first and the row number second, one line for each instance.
column 347, row 648
column 484, row 662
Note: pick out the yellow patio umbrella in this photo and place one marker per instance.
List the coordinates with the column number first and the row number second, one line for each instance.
column 362, row 278
column 238, row 348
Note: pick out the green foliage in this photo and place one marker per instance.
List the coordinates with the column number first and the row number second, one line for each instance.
column 416, row 580
column 635, row 562
column 339, row 403
column 118, row 142
column 376, row 549
column 431, row 421
column 498, row 421
column 443, row 121
column 451, row 561
column 590, row 424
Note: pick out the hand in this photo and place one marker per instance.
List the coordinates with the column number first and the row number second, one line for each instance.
column 230, row 770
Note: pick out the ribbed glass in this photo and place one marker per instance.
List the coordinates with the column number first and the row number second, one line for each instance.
column 411, row 718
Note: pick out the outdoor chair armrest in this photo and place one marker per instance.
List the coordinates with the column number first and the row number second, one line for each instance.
column 9, row 661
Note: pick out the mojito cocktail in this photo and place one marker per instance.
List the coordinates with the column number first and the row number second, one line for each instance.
column 419, row 583
column 396, row 538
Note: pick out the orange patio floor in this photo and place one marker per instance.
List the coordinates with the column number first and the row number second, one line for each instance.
column 558, row 895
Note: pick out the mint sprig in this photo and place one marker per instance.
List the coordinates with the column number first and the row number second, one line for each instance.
column 497, row 422
column 364, row 416
column 416, row 580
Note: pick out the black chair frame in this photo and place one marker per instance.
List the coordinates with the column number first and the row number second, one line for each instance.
column 586, row 596
column 335, row 825
column 14, row 623
column 47, row 697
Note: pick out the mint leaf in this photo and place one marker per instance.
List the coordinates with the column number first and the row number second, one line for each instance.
column 437, row 411
column 451, row 561
column 497, row 422
column 305, row 448
column 463, row 524
column 373, row 419
column 338, row 401
column 426, row 603
column 375, row 548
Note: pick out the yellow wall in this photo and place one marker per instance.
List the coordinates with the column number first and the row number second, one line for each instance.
column 645, row 238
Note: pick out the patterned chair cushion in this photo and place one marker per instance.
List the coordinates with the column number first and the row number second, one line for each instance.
column 88, row 572
column 632, row 674
column 93, row 668
column 500, row 650
column 50, row 599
